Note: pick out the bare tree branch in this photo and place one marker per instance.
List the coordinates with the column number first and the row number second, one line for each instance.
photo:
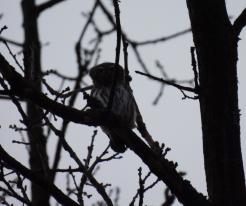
column 240, row 22
column 161, row 39
column 47, row 5
column 56, row 73
column 189, row 89
column 3, row 28
column 13, row 56
column 42, row 182
column 15, row 43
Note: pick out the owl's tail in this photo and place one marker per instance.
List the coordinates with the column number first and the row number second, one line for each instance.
column 115, row 143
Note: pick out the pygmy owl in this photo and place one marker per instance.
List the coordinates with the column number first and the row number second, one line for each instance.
column 123, row 103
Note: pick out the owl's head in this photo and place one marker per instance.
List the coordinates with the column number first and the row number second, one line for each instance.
column 104, row 74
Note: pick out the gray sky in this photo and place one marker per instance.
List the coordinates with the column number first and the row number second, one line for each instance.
column 174, row 121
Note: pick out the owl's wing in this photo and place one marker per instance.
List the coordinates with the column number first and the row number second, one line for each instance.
column 124, row 106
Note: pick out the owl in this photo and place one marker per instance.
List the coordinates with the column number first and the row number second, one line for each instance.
column 123, row 106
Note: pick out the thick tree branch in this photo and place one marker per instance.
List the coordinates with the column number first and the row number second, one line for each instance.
column 33, row 70
column 240, row 22
column 47, row 5
column 217, row 55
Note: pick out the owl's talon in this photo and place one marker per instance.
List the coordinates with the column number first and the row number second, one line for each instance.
column 119, row 148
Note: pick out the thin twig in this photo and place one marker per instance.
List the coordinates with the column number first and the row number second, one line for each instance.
column 16, row 102
column 3, row 28
column 56, row 73
column 164, row 75
column 15, row 43
column 139, row 58
column 189, row 89
column 87, row 162
column 19, row 142
column 142, row 189
column 14, row 56
column 161, row 39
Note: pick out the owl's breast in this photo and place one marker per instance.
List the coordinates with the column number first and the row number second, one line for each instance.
column 123, row 104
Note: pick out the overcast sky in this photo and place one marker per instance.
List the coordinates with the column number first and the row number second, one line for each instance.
column 174, row 121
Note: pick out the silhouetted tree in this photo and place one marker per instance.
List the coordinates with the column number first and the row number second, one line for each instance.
column 215, row 86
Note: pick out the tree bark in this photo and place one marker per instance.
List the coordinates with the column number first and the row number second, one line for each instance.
column 32, row 62
column 216, row 45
